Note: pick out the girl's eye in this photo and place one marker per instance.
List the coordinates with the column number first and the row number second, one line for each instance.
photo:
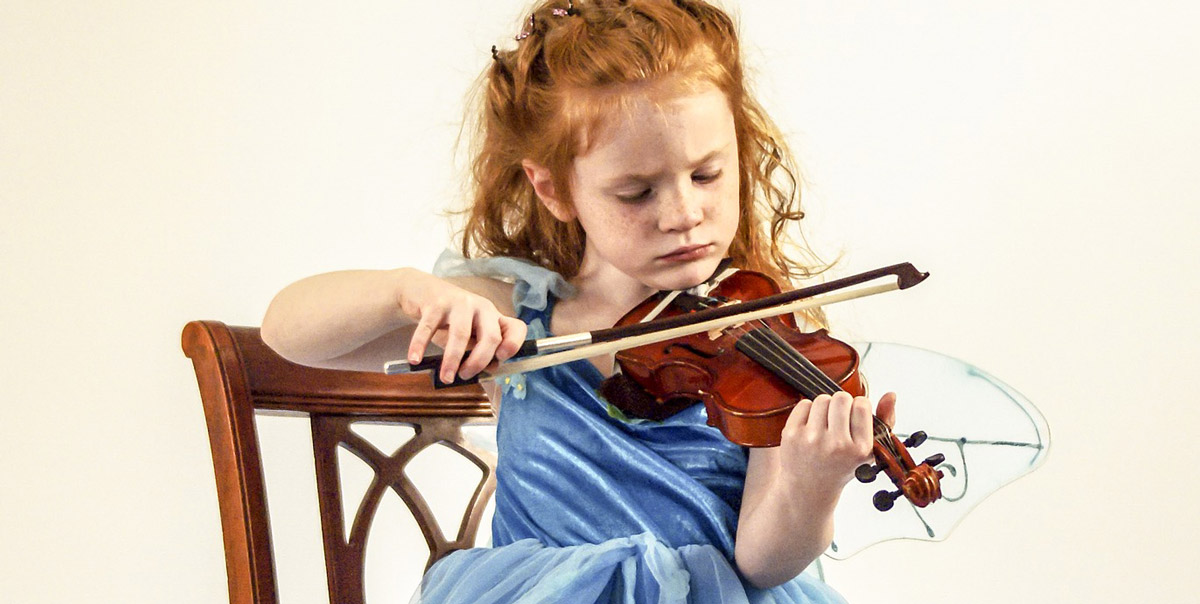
column 634, row 197
column 706, row 177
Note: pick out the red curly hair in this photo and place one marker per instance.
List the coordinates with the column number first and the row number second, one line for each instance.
column 580, row 63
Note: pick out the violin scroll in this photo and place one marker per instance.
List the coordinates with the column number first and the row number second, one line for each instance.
column 919, row 483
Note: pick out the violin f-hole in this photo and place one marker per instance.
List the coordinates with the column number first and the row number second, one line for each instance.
column 692, row 349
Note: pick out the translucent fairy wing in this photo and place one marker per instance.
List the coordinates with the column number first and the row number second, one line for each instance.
column 989, row 433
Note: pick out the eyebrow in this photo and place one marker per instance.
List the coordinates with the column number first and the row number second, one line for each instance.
column 640, row 177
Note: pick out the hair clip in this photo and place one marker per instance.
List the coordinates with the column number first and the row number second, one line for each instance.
column 527, row 31
column 495, row 53
column 564, row 12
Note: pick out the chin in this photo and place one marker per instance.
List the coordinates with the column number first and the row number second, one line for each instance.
column 685, row 275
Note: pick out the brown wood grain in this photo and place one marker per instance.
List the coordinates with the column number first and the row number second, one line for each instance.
column 239, row 377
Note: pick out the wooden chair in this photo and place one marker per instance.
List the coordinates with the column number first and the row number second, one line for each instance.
column 240, row 376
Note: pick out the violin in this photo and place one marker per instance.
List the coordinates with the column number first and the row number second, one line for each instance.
column 738, row 350
column 749, row 377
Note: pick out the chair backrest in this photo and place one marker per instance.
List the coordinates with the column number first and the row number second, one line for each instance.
column 240, row 376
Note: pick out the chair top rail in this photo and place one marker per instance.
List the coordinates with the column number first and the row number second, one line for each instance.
column 280, row 386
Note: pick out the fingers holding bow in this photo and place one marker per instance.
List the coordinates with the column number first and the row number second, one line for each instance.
column 471, row 330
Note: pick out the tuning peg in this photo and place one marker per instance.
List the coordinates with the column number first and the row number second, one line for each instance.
column 867, row 472
column 915, row 439
column 934, row 460
column 884, row 500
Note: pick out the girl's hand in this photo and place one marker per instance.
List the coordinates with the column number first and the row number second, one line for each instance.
column 826, row 438
column 468, row 319
column 791, row 490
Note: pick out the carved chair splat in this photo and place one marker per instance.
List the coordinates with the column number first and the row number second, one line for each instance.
column 239, row 377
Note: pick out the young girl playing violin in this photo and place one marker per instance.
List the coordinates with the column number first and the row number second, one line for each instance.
column 620, row 153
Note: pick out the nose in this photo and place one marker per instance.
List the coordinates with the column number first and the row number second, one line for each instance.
column 681, row 210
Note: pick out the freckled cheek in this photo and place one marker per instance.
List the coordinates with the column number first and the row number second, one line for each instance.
column 724, row 205
column 615, row 224
column 632, row 217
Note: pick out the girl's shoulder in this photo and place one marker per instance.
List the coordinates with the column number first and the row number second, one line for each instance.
column 512, row 284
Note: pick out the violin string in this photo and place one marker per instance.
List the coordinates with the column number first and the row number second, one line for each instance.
column 769, row 349
column 785, row 362
column 781, row 364
column 814, row 378
column 777, row 355
column 802, row 361
column 881, row 430
column 797, row 362
column 782, row 361
column 778, row 366
column 772, row 361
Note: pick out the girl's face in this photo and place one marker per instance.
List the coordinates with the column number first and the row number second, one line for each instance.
column 657, row 192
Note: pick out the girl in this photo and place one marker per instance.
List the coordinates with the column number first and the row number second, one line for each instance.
column 620, row 154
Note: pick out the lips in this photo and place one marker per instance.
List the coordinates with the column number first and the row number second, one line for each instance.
column 687, row 253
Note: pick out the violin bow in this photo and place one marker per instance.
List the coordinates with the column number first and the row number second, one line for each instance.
column 556, row 350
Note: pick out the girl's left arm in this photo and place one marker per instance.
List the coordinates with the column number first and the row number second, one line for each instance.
column 786, row 519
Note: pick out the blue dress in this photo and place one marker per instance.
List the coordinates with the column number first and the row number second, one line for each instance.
column 591, row 508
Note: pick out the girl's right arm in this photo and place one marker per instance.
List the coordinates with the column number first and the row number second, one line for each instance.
column 362, row 319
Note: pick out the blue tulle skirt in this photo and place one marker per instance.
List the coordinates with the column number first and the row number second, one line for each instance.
column 630, row 570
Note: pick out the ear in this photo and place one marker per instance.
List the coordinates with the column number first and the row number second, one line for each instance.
column 543, row 186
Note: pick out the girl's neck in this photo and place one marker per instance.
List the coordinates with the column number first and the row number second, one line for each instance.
column 603, row 295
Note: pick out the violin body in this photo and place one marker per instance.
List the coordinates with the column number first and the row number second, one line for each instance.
column 742, row 399
column 751, row 376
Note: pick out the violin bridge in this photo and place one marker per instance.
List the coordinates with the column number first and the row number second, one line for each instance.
column 714, row 334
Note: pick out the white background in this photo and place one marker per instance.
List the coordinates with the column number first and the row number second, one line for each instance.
column 162, row 161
